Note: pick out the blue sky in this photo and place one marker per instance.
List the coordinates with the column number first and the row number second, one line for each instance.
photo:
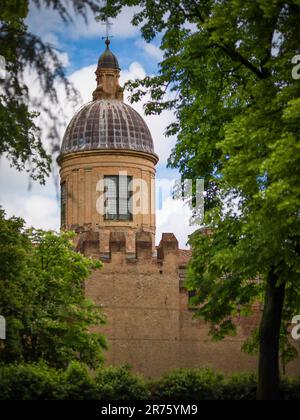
column 80, row 46
column 83, row 52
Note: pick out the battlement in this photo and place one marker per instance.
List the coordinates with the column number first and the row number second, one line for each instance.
column 127, row 245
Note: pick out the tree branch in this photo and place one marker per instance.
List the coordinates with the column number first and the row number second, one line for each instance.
column 236, row 56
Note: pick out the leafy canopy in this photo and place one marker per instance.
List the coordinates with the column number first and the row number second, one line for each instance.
column 43, row 300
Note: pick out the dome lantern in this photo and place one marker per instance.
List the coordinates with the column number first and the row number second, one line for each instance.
column 108, row 60
column 107, row 76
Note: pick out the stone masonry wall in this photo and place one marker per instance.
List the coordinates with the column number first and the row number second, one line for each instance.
column 149, row 323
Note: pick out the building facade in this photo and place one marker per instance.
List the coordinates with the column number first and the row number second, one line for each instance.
column 107, row 175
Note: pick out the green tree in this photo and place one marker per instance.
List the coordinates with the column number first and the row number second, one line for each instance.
column 227, row 74
column 43, row 300
column 20, row 136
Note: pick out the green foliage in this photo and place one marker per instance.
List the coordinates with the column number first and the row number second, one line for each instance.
column 118, row 383
column 204, row 384
column 78, row 383
column 240, row 387
column 20, row 136
column 188, row 384
column 290, row 389
column 287, row 352
column 42, row 298
column 30, row 382
column 40, row 382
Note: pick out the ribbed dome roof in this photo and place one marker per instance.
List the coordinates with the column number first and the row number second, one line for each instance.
column 107, row 124
column 108, row 60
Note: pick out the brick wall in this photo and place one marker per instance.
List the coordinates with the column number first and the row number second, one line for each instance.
column 149, row 323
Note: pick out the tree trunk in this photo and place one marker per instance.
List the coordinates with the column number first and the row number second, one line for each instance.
column 269, row 373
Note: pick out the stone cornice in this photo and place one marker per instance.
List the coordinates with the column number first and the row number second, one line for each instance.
column 123, row 152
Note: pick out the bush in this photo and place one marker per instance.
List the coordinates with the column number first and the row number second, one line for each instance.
column 30, row 382
column 240, row 387
column 188, row 384
column 290, row 389
column 40, row 382
column 118, row 383
column 78, row 383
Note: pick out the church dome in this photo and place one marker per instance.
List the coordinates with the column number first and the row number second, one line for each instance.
column 107, row 124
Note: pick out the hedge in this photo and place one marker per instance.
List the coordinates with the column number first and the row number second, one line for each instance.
column 188, row 384
column 39, row 382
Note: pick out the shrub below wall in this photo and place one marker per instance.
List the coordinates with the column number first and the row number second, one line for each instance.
column 119, row 383
column 239, row 387
column 188, row 384
column 39, row 382
column 31, row 382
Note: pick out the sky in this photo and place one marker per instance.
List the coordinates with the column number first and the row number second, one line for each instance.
column 80, row 45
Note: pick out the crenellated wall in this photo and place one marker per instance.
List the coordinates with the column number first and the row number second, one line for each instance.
column 140, row 297
column 150, row 324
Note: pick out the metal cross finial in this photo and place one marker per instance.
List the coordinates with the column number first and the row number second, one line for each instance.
column 108, row 25
column 107, row 37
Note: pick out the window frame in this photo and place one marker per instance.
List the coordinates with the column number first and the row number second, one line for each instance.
column 63, row 203
column 118, row 217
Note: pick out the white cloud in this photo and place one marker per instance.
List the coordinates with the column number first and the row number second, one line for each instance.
column 64, row 58
column 135, row 71
column 47, row 24
column 152, row 50
column 84, row 80
column 38, row 211
column 51, row 38
column 36, row 204
column 174, row 217
column 121, row 27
